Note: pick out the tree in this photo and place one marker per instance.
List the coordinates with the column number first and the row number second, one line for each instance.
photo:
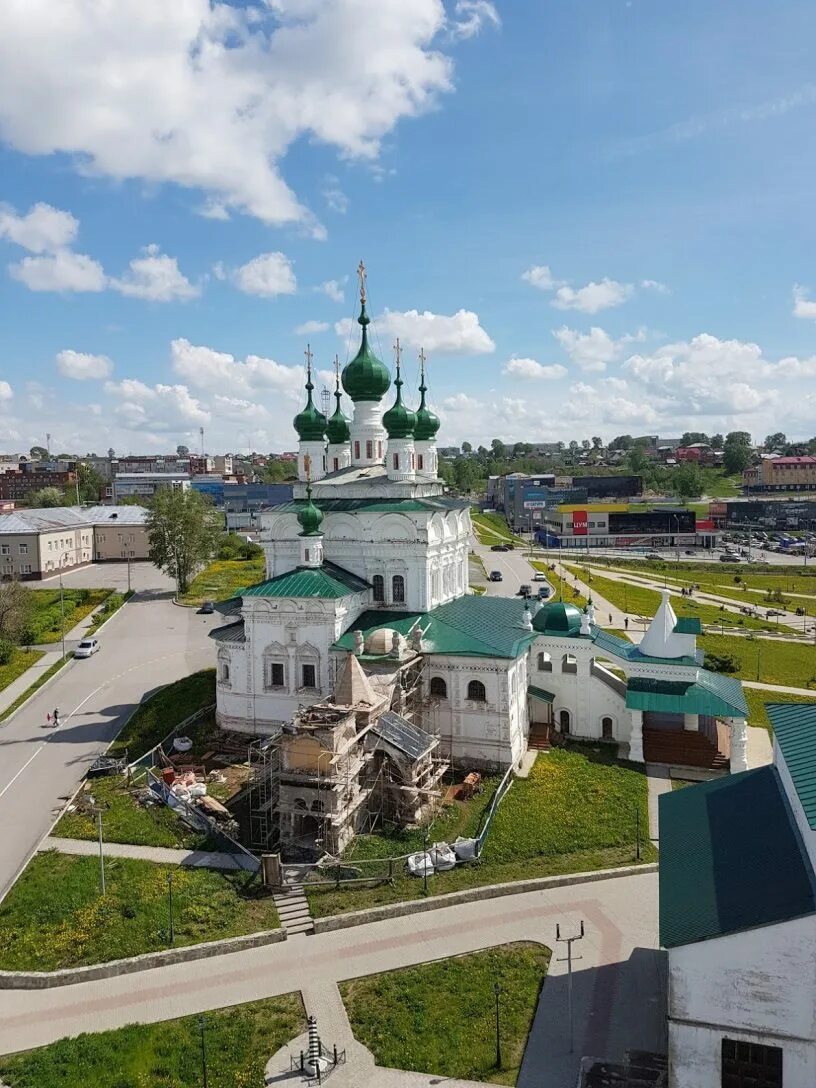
column 636, row 460
column 776, row 441
column 737, row 452
column 689, row 438
column 90, row 484
column 585, row 443
column 688, row 482
column 597, row 442
column 467, row 448
column 498, row 448
column 16, row 604
column 47, row 496
column 183, row 532
column 716, row 441
column 38, row 453
column 182, row 451
column 622, row 442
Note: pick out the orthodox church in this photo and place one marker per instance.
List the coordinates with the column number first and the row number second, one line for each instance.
column 366, row 607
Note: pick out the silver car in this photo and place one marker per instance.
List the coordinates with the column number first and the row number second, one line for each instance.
column 87, row 647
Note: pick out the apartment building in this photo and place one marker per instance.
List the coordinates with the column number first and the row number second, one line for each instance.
column 781, row 474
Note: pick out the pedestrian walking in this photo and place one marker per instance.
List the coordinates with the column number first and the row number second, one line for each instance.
column 56, row 716
column 626, row 623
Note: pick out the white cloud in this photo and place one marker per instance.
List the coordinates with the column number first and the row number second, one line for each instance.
column 529, row 368
column 593, row 296
column 802, row 305
column 217, row 371
column 43, row 229
column 333, row 289
column 211, row 95
column 155, row 277
column 310, row 328
column 81, row 366
column 440, row 334
column 471, row 16
column 267, row 275
column 238, row 410
column 336, row 199
column 60, row 271
column 655, row 285
column 6, row 392
column 595, row 349
column 160, row 408
column 541, row 277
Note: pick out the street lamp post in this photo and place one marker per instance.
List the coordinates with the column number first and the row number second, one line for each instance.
column 569, row 958
column 497, row 994
column 201, row 1025
column 425, row 864
column 62, row 603
column 171, row 933
column 97, row 810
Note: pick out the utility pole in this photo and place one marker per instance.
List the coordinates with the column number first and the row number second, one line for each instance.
column 171, row 933
column 568, row 959
column 128, row 569
column 62, row 604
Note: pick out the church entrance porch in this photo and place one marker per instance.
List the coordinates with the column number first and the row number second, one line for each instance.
column 669, row 739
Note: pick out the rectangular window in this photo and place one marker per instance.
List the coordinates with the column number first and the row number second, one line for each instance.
column 309, row 676
column 356, row 451
column 379, row 450
column 25, row 568
column 5, row 549
column 396, row 461
column 750, row 1065
column 336, row 463
column 276, row 675
column 369, row 449
column 421, row 465
column 24, row 549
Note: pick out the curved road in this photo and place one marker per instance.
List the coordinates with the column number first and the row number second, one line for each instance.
column 148, row 643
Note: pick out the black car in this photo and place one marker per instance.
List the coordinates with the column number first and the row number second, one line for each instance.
column 500, row 548
column 207, row 608
column 495, row 576
column 524, row 591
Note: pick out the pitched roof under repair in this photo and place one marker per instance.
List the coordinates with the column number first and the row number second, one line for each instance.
column 353, row 686
column 731, row 858
column 403, row 735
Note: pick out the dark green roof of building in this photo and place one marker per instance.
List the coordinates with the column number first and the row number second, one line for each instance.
column 794, row 726
column 688, row 625
column 310, row 423
column 337, row 428
column 328, row 581
column 427, row 424
column 375, row 506
column 712, row 694
column 399, row 421
column 557, row 618
column 470, row 626
column 310, row 516
column 731, row 858
column 366, row 377
column 230, row 632
column 540, row 693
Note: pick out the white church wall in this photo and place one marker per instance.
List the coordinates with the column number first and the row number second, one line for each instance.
column 758, row 985
column 587, row 698
column 489, row 733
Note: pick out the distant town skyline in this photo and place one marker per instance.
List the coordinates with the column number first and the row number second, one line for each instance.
column 595, row 218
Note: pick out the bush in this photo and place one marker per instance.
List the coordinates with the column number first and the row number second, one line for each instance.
column 230, row 546
column 250, row 550
column 116, row 600
column 721, row 662
column 6, row 651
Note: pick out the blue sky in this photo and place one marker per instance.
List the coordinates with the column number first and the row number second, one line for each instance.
column 597, row 217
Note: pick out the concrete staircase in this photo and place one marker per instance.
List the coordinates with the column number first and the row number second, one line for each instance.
column 293, row 910
column 539, row 737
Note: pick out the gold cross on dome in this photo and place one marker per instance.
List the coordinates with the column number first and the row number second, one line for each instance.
column 361, row 276
column 422, row 358
column 397, row 352
column 309, row 357
column 337, row 367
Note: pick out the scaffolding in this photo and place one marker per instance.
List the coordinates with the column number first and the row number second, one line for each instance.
column 262, row 794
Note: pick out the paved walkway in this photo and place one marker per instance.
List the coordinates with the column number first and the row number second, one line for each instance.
column 807, row 692
column 658, row 781
column 202, row 859
column 619, row 986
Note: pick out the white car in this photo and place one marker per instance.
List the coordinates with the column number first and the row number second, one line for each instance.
column 87, row 647
column 539, row 576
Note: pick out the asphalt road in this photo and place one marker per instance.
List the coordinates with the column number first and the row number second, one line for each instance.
column 148, row 643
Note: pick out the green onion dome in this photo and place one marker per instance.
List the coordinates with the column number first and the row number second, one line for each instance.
column 399, row 421
column 311, row 516
column 557, row 618
column 337, row 429
column 365, row 377
column 310, row 424
column 427, row 424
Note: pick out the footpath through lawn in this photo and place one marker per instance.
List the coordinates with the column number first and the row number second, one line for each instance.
column 222, row 579
column 578, row 811
column 439, row 1017
column 55, row 915
column 238, row 1043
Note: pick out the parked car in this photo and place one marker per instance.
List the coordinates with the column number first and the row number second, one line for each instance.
column 730, row 559
column 653, row 555
column 773, row 612
column 500, row 547
column 544, row 592
column 207, row 608
column 524, row 590
column 87, row 647
column 689, row 551
column 539, row 576
column 495, row 576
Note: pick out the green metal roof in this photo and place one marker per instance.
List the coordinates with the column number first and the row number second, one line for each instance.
column 688, row 625
column 427, row 424
column 557, row 618
column 794, row 726
column 470, row 626
column 366, row 377
column 327, row 581
column 399, row 421
column 540, row 693
column 619, row 647
column 713, row 695
column 374, row 506
column 731, row 858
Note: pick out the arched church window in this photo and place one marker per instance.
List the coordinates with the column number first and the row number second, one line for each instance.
column 544, row 663
column 607, row 728
column 398, row 589
column 564, row 721
column 225, row 672
column 439, row 689
column 396, row 461
column 421, row 464
column 369, row 449
column 357, row 451
column 476, row 691
column 378, row 584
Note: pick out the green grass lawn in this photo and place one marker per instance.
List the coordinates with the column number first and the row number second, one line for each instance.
column 439, row 1017
column 20, row 661
column 157, row 717
column 789, row 663
column 223, row 578
column 44, row 676
column 640, row 601
column 491, row 529
column 561, row 587
column 238, row 1043
column 757, row 698
column 45, row 624
column 125, row 820
column 576, row 812
column 54, row 916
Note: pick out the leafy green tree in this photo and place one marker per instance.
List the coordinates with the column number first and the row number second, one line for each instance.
column 585, row 443
column 622, row 442
column 498, row 448
column 183, row 531
column 38, row 453
column 467, row 448
column 716, row 441
column 688, row 482
column 737, row 452
column 689, row 438
column 636, row 460
column 16, row 604
column 597, row 442
column 46, row 496
column 776, row 441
